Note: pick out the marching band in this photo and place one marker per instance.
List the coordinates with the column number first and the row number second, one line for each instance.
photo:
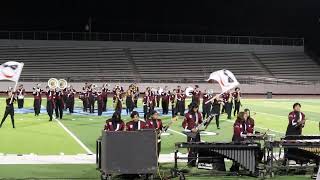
column 61, row 97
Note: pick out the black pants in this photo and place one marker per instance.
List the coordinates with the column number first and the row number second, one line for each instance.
column 105, row 101
column 59, row 109
column 228, row 107
column 174, row 110
column 85, row 105
column 165, row 107
column 71, row 105
column 193, row 152
column 180, row 108
column 65, row 99
column 100, row 108
column 223, row 109
column 158, row 102
column 36, row 106
column 206, row 110
column 236, row 108
column 159, row 149
column 135, row 103
column 20, row 103
column 9, row 110
column 50, row 109
column 217, row 120
column 91, row 105
column 146, row 111
column 129, row 108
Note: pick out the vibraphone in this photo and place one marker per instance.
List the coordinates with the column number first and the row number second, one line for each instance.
column 302, row 149
column 244, row 153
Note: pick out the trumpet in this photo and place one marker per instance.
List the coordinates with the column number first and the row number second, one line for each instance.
column 54, row 83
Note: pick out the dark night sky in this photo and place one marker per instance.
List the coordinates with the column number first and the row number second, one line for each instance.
column 294, row 18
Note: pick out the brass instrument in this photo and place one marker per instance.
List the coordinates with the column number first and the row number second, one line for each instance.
column 54, row 83
column 189, row 91
column 160, row 90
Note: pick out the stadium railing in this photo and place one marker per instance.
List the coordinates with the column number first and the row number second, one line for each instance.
column 150, row 37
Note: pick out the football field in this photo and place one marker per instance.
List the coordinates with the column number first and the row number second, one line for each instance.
column 76, row 134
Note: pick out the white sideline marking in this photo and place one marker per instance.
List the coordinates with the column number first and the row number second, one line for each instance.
column 286, row 117
column 260, row 128
column 177, row 132
column 180, row 133
column 75, row 138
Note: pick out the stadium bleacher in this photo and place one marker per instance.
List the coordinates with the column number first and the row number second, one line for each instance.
column 156, row 63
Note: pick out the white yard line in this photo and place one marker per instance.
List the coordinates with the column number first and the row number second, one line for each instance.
column 177, row 132
column 67, row 159
column 286, row 117
column 48, row 159
column 75, row 137
column 260, row 127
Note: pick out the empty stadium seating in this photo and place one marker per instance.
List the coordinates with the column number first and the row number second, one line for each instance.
column 158, row 63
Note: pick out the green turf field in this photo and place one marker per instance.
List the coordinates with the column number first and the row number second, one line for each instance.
column 39, row 136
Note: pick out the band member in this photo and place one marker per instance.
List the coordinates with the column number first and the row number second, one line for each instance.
column 50, row 102
column 135, row 124
column 216, row 106
column 70, row 99
column 225, row 99
column 9, row 109
column 136, row 94
column 173, row 100
column 206, row 107
column 165, row 101
column 65, row 93
column 191, row 121
column 84, row 98
column 100, row 101
column 237, row 97
column 228, row 104
column 129, row 102
column 183, row 103
column 115, row 123
column 91, row 98
column 105, row 97
column 238, row 130
column 153, row 100
column 147, row 102
column 297, row 120
column 249, row 122
column 37, row 99
column 155, row 123
column 117, row 101
column 59, row 104
column 158, row 97
column 180, row 102
column 21, row 93
column 196, row 95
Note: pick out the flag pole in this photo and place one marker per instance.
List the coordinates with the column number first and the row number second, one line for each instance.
column 14, row 91
column 15, row 86
column 211, row 99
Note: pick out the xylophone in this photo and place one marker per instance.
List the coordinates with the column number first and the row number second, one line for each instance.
column 302, row 149
column 245, row 153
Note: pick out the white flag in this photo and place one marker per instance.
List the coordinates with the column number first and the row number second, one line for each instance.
column 225, row 78
column 11, row 71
